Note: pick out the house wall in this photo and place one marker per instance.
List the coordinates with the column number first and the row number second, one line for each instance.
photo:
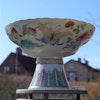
column 90, row 75
column 11, row 63
column 96, row 75
column 80, row 72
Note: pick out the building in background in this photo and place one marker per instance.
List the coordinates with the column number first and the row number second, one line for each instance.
column 16, row 63
column 76, row 70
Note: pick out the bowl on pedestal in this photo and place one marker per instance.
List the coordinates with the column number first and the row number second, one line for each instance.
column 49, row 40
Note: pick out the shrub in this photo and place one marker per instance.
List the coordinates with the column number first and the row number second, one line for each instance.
column 93, row 90
column 9, row 84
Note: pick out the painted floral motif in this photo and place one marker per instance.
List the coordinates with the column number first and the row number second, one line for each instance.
column 28, row 43
column 28, row 30
column 79, row 28
column 68, row 36
column 69, row 24
column 24, row 43
column 72, row 44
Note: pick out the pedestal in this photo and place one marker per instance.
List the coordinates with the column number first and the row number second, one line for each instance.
column 50, row 37
column 49, row 74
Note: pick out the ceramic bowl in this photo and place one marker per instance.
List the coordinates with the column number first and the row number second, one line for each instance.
column 50, row 37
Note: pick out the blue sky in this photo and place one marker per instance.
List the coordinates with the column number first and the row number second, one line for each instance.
column 13, row 10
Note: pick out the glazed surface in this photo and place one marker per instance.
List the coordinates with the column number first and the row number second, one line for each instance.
column 50, row 37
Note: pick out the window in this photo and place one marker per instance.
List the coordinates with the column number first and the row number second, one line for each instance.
column 80, row 75
column 6, row 69
column 72, row 76
column 17, row 69
column 71, row 66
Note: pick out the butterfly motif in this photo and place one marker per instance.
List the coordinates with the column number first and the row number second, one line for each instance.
column 52, row 35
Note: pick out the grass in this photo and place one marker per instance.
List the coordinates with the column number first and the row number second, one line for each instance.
column 9, row 84
column 93, row 89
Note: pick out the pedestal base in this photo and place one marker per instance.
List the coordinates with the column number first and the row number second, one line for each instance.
column 47, row 92
column 49, row 74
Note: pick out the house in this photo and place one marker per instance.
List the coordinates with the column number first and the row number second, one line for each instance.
column 76, row 70
column 16, row 63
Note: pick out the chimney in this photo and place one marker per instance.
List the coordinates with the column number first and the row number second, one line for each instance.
column 19, row 51
column 86, row 62
column 79, row 59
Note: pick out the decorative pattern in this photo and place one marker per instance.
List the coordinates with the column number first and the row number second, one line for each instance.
column 49, row 37
column 49, row 79
column 64, row 34
column 49, row 61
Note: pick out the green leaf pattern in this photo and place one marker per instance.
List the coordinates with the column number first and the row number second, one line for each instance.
column 49, row 78
column 70, row 42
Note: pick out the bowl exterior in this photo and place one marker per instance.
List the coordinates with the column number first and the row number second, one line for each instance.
column 50, row 37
